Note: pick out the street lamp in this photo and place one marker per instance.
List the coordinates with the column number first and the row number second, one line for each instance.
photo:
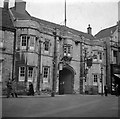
column 101, row 80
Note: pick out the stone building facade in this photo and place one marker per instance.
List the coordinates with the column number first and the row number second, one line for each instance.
column 111, row 39
column 79, row 55
column 7, row 35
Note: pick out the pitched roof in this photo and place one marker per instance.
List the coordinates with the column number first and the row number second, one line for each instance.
column 106, row 32
column 53, row 25
column 20, row 16
column 5, row 19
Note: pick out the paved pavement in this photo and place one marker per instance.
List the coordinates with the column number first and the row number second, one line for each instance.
column 61, row 106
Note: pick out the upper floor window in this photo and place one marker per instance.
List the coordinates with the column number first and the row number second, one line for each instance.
column 95, row 78
column 28, row 41
column 46, row 44
column 100, row 55
column 32, row 42
column 67, row 49
column 24, row 40
column 114, row 53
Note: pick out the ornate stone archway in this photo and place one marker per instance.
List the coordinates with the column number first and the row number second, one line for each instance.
column 66, row 80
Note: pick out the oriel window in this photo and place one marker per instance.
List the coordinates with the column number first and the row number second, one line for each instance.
column 69, row 49
column 65, row 49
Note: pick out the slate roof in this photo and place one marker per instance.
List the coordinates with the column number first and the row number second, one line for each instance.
column 5, row 19
column 53, row 25
column 27, row 16
column 20, row 16
column 106, row 32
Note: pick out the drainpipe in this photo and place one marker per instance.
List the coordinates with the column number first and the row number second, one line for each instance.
column 14, row 55
column 81, row 69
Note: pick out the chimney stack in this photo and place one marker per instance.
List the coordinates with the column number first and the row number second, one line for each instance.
column 6, row 4
column 20, row 6
column 89, row 29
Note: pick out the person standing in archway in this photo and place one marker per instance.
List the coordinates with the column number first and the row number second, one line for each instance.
column 105, row 90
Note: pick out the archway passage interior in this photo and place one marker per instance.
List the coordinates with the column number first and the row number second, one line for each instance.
column 66, row 81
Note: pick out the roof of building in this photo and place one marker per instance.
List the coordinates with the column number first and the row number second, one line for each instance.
column 5, row 19
column 53, row 25
column 20, row 16
column 106, row 32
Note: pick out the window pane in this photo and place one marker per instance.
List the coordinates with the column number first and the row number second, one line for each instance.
column 30, row 71
column 45, row 72
column 100, row 55
column 22, row 71
column 47, row 45
column 69, row 49
column 95, row 78
column 32, row 41
column 24, row 41
column 65, row 49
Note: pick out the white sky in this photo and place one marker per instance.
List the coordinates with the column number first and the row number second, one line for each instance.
column 99, row 14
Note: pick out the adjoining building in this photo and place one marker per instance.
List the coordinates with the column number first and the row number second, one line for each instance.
column 80, row 57
column 7, row 37
column 111, row 38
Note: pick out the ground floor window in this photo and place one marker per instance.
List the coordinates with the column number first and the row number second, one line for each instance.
column 46, row 74
column 22, row 73
column 30, row 74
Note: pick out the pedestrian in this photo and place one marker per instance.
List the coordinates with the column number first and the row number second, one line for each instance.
column 105, row 90
column 116, row 90
column 9, row 88
column 14, row 88
column 31, row 89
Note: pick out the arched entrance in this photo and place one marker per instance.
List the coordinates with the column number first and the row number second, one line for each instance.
column 66, row 80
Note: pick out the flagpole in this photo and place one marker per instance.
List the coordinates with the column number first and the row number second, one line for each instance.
column 65, row 13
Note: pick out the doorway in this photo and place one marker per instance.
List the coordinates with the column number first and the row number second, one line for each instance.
column 66, row 81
